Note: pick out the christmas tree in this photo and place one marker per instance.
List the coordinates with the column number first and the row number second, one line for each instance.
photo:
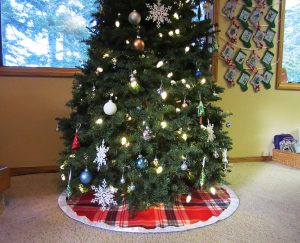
column 146, row 127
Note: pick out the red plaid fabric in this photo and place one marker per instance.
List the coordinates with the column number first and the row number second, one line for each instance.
column 202, row 207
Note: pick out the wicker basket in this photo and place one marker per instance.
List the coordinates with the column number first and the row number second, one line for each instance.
column 287, row 158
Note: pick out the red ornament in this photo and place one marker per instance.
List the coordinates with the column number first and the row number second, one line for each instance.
column 76, row 144
column 200, row 120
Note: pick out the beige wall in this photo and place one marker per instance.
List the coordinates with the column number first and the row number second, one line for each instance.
column 28, row 108
column 257, row 117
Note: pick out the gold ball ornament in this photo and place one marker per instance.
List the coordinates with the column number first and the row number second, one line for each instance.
column 139, row 45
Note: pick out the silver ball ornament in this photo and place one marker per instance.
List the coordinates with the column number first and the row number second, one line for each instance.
column 110, row 108
column 122, row 181
column 147, row 134
column 134, row 18
column 132, row 187
column 183, row 166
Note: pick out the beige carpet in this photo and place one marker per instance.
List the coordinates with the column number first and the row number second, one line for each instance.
column 269, row 211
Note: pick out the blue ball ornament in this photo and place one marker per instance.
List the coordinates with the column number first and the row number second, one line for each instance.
column 141, row 163
column 85, row 177
column 198, row 73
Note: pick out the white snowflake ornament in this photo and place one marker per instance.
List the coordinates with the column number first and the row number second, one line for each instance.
column 101, row 155
column 103, row 196
column 210, row 131
column 225, row 159
column 158, row 13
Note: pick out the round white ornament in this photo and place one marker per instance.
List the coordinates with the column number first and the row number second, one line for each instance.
column 110, row 108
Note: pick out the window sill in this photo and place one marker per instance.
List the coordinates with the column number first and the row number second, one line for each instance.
column 288, row 86
column 38, row 72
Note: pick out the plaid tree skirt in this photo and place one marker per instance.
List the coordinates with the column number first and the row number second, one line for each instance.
column 204, row 209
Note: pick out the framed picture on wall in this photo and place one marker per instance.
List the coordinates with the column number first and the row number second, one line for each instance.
column 255, row 17
column 230, row 76
column 227, row 52
column 271, row 16
column 252, row 61
column 243, row 80
column 259, row 38
column 233, row 32
column 267, row 79
column 240, row 59
column 267, row 59
column 229, row 8
column 244, row 17
column 268, row 38
column 246, row 37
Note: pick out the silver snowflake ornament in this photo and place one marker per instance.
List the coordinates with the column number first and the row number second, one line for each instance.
column 103, row 196
column 158, row 13
column 101, row 155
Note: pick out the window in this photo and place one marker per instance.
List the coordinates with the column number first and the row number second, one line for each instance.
column 288, row 72
column 45, row 33
column 291, row 47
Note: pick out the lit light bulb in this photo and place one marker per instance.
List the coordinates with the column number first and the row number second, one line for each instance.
column 213, row 190
column 129, row 118
column 164, row 95
column 176, row 16
column 81, row 188
column 187, row 49
column 127, row 42
column 123, row 141
column 133, row 84
column 173, row 82
column 170, row 75
column 159, row 64
column 62, row 166
column 155, row 162
column 159, row 169
column 188, row 86
column 163, row 124
column 99, row 70
column 105, row 55
column 171, row 33
column 63, row 177
column 160, row 35
column 72, row 156
column 99, row 121
column 184, row 136
column 177, row 31
column 203, row 81
column 183, row 81
column 177, row 110
column 117, row 23
column 188, row 198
